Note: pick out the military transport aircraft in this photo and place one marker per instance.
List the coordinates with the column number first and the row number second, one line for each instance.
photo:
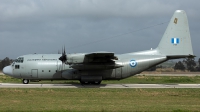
column 92, row 68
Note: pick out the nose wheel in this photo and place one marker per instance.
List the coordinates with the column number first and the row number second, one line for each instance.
column 25, row 81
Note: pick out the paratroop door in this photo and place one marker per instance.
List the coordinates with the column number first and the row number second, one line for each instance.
column 118, row 72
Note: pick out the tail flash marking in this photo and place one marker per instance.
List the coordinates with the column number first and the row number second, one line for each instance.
column 175, row 41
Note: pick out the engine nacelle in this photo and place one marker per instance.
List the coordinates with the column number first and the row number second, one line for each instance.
column 75, row 58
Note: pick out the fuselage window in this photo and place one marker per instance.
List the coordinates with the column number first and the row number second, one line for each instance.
column 42, row 70
column 16, row 66
column 49, row 70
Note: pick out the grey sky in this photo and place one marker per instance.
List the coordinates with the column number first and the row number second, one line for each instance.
column 44, row 26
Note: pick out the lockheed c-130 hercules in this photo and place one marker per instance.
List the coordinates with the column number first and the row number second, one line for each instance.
column 94, row 67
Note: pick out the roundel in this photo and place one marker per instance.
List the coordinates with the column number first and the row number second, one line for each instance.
column 133, row 63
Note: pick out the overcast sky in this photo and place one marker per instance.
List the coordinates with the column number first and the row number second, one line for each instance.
column 44, row 26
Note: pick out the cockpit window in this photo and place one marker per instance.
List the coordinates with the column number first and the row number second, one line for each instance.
column 19, row 60
column 17, row 67
column 13, row 63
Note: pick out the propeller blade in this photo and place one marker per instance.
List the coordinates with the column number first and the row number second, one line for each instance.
column 64, row 50
column 63, row 58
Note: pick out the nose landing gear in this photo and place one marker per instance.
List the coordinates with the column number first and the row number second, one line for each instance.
column 25, row 81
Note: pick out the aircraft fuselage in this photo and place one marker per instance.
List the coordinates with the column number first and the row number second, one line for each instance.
column 49, row 67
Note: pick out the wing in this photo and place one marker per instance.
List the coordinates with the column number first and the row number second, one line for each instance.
column 100, row 57
column 93, row 61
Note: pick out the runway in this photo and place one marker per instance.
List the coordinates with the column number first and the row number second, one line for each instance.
column 17, row 85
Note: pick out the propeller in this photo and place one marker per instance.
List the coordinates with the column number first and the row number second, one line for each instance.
column 63, row 58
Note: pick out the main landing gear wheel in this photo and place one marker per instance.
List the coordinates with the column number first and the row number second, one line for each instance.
column 82, row 82
column 93, row 82
column 96, row 82
column 25, row 81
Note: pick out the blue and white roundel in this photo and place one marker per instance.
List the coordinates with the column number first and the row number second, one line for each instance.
column 133, row 63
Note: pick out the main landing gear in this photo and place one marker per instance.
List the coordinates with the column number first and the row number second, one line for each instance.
column 91, row 82
column 25, row 81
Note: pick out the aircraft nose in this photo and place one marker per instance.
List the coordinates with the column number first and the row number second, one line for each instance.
column 7, row 70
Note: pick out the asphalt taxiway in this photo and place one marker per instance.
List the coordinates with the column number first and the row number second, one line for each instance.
column 17, row 85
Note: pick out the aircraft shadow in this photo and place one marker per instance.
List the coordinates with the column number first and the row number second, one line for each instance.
column 81, row 85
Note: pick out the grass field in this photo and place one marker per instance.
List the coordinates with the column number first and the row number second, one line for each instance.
column 99, row 100
column 95, row 99
column 131, row 80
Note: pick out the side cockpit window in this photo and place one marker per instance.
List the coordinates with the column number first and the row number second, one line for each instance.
column 19, row 60
column 17, row 67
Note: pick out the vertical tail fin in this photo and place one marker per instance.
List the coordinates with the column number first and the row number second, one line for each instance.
column 176, row 40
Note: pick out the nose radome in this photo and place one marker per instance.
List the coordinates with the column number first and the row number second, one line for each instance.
column 7, row 70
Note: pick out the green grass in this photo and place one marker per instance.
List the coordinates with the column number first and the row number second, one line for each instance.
column 158, row 80
column 94, row 99
column 130, row 80
column 8, row 79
